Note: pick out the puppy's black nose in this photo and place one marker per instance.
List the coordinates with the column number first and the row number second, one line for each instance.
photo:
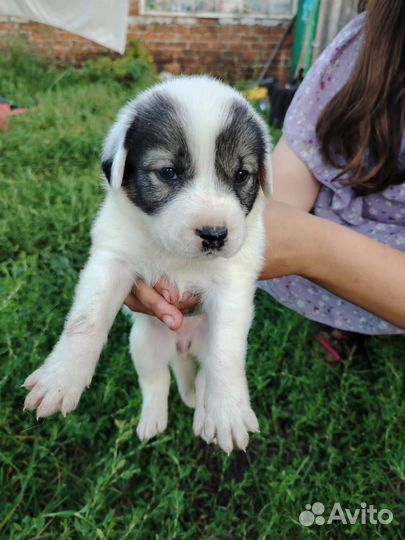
column 213, row 237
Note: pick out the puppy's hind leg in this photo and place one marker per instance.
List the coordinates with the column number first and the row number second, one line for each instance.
column 191, row 345
column 152, row 345
column 183, row 367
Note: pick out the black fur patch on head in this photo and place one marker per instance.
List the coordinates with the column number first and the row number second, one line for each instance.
column 241, row 147
column 156, row 139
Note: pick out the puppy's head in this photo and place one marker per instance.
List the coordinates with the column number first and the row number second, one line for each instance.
column 194, row 157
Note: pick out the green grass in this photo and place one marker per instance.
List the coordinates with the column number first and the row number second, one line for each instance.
column 327, row 434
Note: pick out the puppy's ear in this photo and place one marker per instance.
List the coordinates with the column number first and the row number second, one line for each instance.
column 114, row 152
column 266, row 175
column 106, row 165
column 265, row 169
column 113, row 168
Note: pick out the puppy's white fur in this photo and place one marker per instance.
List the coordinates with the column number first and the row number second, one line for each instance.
column 128, row 243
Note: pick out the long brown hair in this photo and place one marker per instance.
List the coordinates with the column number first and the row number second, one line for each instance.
column 364, row 122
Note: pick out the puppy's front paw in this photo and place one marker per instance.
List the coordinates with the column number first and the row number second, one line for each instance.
column 226, row 421
column 55, row 386
column 153, row 421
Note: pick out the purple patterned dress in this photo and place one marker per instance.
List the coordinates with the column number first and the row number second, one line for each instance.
column 380, row 216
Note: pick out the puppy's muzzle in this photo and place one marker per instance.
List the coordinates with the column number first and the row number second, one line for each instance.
column 213, row 238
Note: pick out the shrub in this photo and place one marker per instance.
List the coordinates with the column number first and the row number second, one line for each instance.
column 136, row 65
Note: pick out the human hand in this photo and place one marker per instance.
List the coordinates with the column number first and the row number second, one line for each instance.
column 162, row 301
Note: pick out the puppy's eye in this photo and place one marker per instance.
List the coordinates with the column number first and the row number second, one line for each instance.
column 168, row 174
column 242, row 176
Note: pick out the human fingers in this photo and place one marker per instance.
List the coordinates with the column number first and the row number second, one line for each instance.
column 155, row 304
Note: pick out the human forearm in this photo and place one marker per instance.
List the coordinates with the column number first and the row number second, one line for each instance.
column 353, row 266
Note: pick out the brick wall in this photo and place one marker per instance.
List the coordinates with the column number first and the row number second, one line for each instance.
column 234, row 48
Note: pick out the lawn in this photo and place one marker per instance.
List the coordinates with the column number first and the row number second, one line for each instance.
column 328, row 434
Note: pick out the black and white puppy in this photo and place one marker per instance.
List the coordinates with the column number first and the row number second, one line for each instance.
column 188, row 166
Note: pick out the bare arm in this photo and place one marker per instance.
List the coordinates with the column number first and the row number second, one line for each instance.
column 351, row 265
column 294, row 184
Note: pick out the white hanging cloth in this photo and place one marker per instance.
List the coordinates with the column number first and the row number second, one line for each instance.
column 102, row 21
